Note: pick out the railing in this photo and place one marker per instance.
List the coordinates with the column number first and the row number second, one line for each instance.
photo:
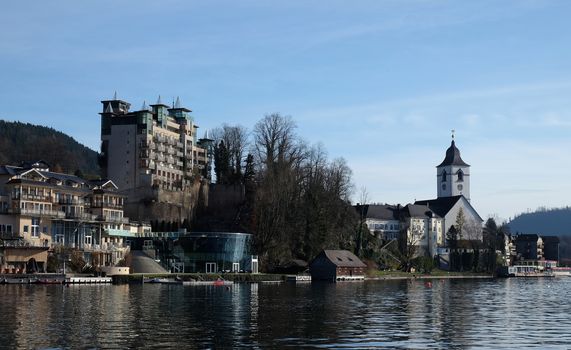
column 107, row 218
column 81, row 216
column 32, row 197
column 107, row 205
column 23, row 243
column 37, row 212
column 71, row 201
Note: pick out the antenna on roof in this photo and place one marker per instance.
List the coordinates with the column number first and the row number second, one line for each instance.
column 115, row 96
column 144, row 106
column 159, row 102
column 453, row 131
column 177, row 104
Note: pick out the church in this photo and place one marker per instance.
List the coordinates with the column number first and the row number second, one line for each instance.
column 453, row 195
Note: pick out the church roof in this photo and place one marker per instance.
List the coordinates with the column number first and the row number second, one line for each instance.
column 419, row 211
column 452, row 157
column 441, row 206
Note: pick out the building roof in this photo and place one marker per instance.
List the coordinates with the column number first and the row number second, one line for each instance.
column 378, row 211
column 9, row 170
column 415, row 210
column 343, row 258
column 452, row 157
column 441, row 206
column 550, row 239
column 527, row 237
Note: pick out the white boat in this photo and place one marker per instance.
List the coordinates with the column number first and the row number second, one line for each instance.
column 208, row 283
column 527, row 271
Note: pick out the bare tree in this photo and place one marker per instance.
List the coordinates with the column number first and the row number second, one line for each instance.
column 235, row 140
column 275, row 140
column 363, row 195
column 409, row 244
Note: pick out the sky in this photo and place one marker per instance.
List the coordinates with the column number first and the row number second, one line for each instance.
column 378, row 83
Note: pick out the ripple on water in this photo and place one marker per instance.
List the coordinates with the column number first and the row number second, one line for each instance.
column 508, row 313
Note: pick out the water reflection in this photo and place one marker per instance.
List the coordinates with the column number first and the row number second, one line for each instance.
column 510, row 313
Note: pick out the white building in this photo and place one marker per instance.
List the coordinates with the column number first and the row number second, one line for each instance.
column 423, row 229
column 412, row 224
column 382, row 220
column 453, row 189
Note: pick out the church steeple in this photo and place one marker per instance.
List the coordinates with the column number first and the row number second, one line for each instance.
column 453, row 174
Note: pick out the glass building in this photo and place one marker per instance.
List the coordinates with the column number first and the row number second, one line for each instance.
column 210, row 252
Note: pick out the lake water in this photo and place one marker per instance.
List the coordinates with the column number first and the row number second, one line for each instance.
column 502, row 313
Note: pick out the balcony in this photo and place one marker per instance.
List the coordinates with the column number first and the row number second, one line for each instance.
column 119, row 233
column 36, row 212
column 66, row 201
column 107, row 205
column 80, row 216
column 32, row 197
column 18, row 242
column 107, row 218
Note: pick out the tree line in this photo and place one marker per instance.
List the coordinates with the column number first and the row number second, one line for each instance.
column 297, row 199
column 26, row 142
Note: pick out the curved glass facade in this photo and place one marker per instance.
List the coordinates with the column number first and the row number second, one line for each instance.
column 214, row 252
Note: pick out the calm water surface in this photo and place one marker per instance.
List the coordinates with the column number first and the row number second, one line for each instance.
column 504, row 313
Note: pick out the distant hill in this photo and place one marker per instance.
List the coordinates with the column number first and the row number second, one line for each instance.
column 555, row 222
column 21, row 142
column 547, row 222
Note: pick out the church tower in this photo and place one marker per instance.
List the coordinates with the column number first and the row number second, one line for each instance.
column 453, row 174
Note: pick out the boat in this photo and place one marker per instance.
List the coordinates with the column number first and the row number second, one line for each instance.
column 526, row 271
column 218, row 283
column 162, row 280
column 87, row 280
column 49, row 281
column 17, row 280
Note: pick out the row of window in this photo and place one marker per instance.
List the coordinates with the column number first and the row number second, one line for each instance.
column 377, row 226
column 459, row 173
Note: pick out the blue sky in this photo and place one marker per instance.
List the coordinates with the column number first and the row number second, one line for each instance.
column 379, row 83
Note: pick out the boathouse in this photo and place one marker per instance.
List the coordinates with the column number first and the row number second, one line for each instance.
column 335, row 265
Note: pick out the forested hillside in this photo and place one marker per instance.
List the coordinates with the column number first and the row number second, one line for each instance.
column 555, row 222
column 26, row 142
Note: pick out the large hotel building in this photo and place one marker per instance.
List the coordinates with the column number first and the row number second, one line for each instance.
column 155, row 158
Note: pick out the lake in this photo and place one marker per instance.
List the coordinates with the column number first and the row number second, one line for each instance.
column 409, row 314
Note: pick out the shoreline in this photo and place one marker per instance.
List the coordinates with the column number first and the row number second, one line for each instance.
column 241, row 277
column 429, row 277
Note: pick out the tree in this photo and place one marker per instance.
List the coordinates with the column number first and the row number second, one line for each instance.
column 301, row 202
column 409, row 245
column 276, row 142
column 452, row 237
column 221, row 163
column 460, row 221
column 235, row 139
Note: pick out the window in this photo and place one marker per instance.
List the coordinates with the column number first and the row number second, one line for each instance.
column 26, row 229
column 460, row 174
column 35, row 227
column 444, row 176
column 210, row 267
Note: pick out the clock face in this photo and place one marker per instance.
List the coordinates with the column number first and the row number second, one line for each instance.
column 460, row 187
